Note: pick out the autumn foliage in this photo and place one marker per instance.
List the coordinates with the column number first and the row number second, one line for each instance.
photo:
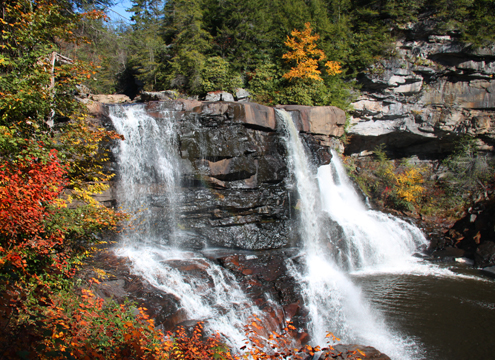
column 87, row 327
column 305, row 53
column 51, row 166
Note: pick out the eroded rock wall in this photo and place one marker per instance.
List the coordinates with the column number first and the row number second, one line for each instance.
column 236, row 190
column 418, row 102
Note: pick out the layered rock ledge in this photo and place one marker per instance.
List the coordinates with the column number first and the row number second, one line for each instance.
column 420, row 101
column 236, row 188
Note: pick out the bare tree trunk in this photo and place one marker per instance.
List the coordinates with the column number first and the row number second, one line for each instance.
column 54, row 57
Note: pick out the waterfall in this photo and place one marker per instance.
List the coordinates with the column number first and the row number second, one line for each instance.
column 374, row 241
column 148, row 188
column 327, row 201
column 148, row 173
column 341, row 237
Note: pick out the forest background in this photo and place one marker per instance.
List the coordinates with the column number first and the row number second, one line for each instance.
column 51, row 156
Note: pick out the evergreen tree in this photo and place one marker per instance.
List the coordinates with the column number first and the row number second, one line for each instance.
column 146, row 44
column 240, row 31
column 188, row 45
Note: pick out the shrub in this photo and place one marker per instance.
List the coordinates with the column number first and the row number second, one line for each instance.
column 216, row 75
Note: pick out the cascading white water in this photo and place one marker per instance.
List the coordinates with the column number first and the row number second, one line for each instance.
column 148, row 165
column 373, row 240
column 334, row 302
column 148, row 180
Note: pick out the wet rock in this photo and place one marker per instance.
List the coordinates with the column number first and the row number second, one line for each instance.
column 485, row 254
column 352, row 351
column 449, row 253
column 235, row 189
column 232, row 169
column 265, row 277
column 118, row 283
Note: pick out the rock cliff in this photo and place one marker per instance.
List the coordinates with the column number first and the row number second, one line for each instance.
column 236, row 189
column 420, row 100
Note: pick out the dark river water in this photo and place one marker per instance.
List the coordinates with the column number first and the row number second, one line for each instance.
column 449, row 315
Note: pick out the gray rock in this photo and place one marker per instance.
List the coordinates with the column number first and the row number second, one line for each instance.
column 158, row 95
column 213, row 96
column 242, row 95
column 219, row 96
column 429, row 93
column 227, row 96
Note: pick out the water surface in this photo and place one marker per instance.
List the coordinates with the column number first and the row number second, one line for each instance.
column 450, row 314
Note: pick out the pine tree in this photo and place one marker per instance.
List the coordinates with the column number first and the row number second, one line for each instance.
column 188, row 45
column 242, row 31
column 146, row 44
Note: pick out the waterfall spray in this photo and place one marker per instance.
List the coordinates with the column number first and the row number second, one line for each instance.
column 334, row 302
column 148, row 186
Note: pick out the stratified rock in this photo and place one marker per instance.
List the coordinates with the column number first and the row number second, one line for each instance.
column 321, row 120
column 254, row 115
column 420, row 101
column 233, row 161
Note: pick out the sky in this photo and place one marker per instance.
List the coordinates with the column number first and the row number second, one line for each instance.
column 120, row 8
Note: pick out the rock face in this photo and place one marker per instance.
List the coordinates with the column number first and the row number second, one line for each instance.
column 236, row 189
column 418, row 102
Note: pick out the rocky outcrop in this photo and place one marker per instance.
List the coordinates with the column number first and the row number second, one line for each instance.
column 322, row 120
column 473, row 236
column 111, row 99
column 418, row 102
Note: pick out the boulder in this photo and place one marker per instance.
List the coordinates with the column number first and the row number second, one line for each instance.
column 158, row 95
column 219, row 96
column 242, row 95
column 111, row 99
column 213, row 96
column 485, row 254
column 321, row 120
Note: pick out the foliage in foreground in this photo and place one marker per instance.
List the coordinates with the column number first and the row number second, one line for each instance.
column 50, row 166
column 79, row 325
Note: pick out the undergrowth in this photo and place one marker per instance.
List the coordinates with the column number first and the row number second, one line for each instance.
column 444, row 188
